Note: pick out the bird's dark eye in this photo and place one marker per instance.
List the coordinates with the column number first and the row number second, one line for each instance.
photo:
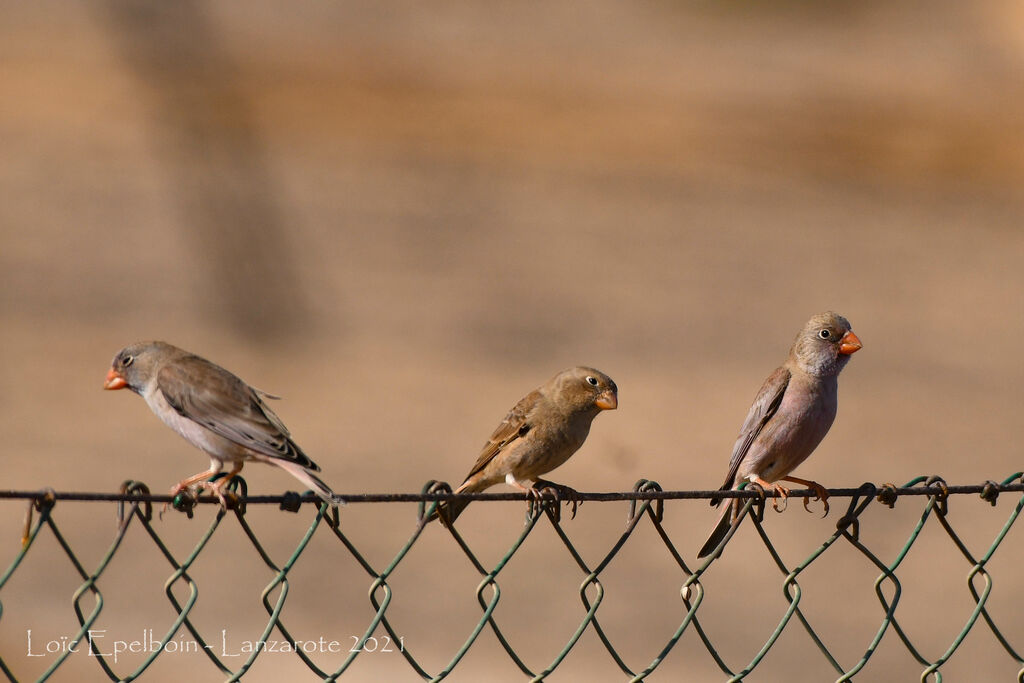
column 592, row 381
column 127, row 360
column 824, row 334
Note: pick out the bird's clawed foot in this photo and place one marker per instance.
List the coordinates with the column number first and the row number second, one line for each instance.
column 183, row 499
column 557, row 492
column 185, row 494
column 228, row 499
column 820, row 493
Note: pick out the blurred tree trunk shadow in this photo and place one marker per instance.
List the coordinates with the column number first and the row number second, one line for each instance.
column 212, row 151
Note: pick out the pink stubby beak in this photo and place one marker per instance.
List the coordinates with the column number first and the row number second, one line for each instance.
column 849, row 344
column 114, row 380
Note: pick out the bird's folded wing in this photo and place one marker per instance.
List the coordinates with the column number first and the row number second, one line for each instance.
column 514, row 426
column 764, row 407
column 214, row 398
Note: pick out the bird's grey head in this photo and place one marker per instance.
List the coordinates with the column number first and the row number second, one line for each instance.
column 825, row 344
column 135, row 364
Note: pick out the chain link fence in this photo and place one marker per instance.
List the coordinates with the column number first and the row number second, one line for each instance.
column 646, row 506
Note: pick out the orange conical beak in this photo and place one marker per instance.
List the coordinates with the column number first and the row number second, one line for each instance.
column 607, row 401
column 114, row 380
column 849, row 344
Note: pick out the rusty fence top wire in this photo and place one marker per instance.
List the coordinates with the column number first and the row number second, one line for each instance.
column 432, row 496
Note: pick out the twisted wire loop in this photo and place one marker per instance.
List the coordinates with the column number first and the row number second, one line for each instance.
column 646, row 505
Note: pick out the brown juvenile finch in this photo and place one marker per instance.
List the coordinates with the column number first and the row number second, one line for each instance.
column 540, row 433
column 789, row 418
column 214, row 410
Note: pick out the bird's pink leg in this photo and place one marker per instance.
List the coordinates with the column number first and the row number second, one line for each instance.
column 185, row 483
column 819, row 491
column 771, row 486
column 218, row 486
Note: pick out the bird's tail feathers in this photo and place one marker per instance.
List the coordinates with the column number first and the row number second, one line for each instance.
column 449, row 510
column 311, row 480
column 715, row 502
column 722, row 527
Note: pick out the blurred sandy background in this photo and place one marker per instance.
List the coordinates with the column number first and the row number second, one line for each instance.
column 402, row 217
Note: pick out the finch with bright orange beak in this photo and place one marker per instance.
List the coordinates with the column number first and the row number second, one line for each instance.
column 213, row 410
column 790, row 416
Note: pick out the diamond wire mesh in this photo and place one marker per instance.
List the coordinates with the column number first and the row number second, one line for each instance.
column 646, row 505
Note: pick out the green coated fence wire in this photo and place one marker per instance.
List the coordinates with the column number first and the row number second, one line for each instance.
column 646, row 506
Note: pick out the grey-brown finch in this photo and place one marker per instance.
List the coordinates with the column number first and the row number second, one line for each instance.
column 789, row 418
column 213, row 410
